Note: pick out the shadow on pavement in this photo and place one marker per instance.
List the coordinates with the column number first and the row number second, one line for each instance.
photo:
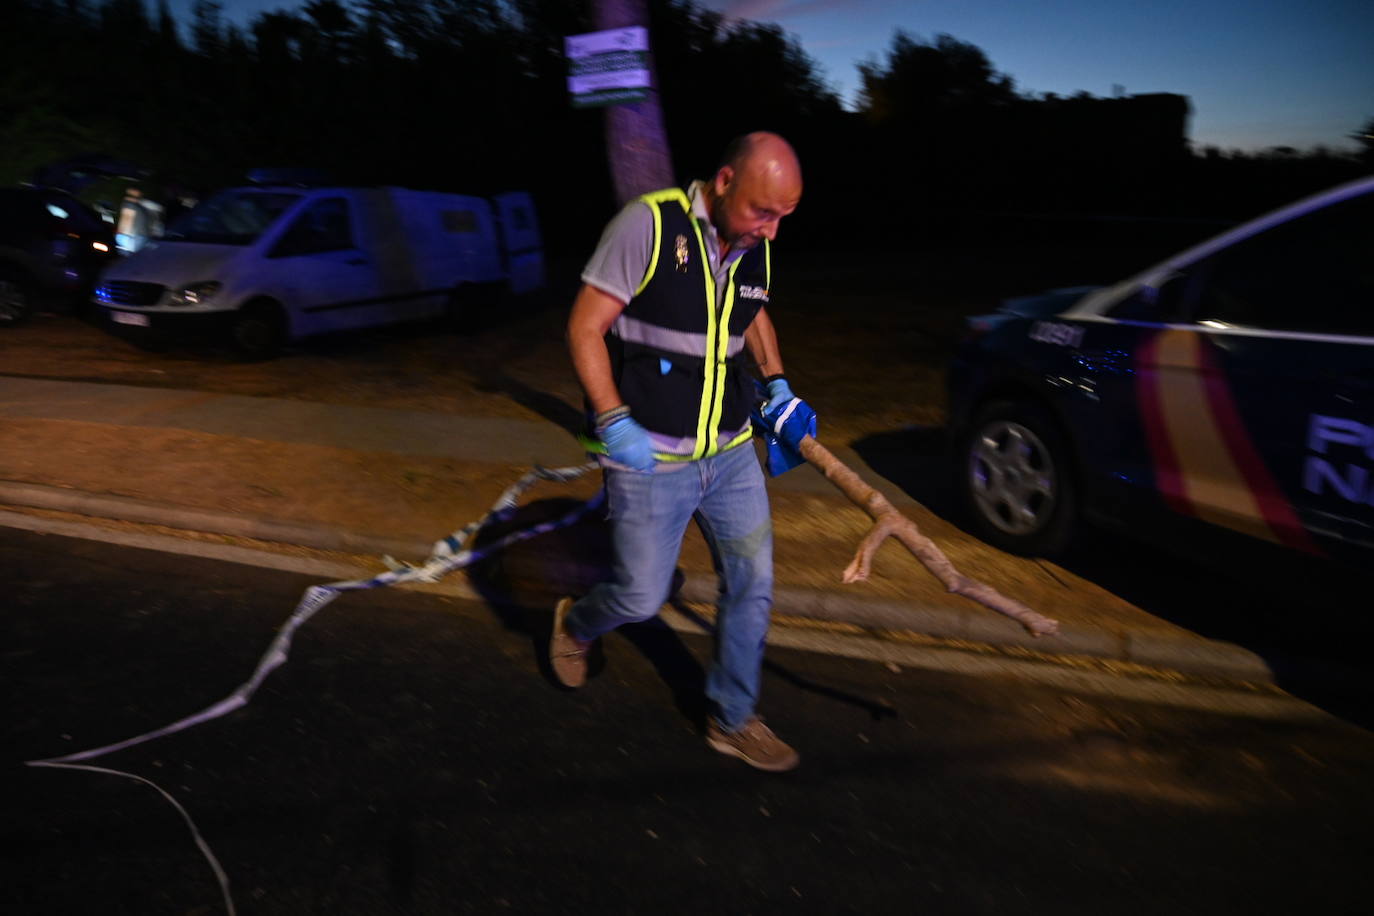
column 522, row 582
column 1307, row 619
column 915, row 459
column 676, row 666
column 877, row 709
column 549, row 406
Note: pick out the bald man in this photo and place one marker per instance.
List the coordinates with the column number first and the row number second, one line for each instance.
column 668, row 327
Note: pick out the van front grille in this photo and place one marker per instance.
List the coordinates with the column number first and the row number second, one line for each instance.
column 129, row 292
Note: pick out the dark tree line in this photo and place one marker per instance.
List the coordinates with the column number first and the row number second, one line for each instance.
column 941, row 109
column 471, row 95
column 466, row 95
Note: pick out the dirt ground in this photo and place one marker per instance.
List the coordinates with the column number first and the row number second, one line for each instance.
column 868, row 355
column 865, row 339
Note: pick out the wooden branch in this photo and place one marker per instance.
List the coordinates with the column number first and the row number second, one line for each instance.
column 888, row 522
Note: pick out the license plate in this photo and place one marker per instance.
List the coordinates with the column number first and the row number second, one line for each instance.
column 133, row 318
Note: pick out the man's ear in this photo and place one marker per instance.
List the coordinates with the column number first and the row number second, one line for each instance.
column 724, row 176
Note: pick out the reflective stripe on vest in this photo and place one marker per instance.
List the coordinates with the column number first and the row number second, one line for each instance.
column 688, row 343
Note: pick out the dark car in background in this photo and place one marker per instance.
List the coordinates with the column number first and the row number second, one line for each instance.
column 52, row 246
column 1228, row 389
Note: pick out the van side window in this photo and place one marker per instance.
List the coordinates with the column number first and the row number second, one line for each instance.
column 1312, row 274
column 459, row 220
column 323, row 226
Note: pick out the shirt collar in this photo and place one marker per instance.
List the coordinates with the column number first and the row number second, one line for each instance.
column 696, row 195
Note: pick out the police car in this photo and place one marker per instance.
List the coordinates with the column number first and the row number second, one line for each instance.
column 1230, row 387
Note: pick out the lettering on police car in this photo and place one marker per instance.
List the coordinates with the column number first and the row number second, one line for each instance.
column 1344, row 452
column 1050, row 332
column 753, row 292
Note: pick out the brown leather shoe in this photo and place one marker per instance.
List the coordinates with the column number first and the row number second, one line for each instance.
column 755, row 744
column 567, row 654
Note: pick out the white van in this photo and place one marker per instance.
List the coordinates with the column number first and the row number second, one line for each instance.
column 262, row 265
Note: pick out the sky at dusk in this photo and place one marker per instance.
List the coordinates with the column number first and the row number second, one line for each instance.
column 1260, row 73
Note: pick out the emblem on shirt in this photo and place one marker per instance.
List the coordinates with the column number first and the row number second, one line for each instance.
column 680, row 252
column 753, row 292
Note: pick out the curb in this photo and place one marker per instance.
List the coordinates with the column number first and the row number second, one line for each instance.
column 262, row 528
column 958, row 623
column 969, row 624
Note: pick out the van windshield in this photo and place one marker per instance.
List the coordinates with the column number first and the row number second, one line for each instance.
column 235, row 217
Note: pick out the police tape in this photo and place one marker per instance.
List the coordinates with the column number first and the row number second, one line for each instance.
column 448, row 554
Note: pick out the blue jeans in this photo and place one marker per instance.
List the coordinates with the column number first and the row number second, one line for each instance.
column 649, row 513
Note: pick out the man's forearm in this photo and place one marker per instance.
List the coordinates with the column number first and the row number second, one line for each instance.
column 592, row 363
column 592, row 316
column 762, row 341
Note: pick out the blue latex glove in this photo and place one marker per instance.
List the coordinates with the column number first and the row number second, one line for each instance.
column 628, row 443
column 778, row 393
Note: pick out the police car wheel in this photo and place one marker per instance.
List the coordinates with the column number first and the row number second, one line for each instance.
column 1017, row 480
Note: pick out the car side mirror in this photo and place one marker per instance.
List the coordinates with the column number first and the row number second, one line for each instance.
column 1161, row 302
column 1169, row 297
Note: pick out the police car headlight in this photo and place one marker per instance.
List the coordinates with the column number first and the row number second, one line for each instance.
column 195, row 294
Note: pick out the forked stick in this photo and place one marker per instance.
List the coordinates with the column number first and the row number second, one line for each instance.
column 887, row 521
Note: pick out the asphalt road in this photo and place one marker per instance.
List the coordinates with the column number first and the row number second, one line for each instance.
column 413, row 757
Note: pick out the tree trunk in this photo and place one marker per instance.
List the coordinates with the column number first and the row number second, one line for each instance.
column 636, row 140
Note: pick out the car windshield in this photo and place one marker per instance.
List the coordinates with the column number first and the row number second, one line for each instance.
column 235, row 217
column 76, row 214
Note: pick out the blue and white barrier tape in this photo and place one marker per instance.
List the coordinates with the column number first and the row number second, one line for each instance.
column 447, row 555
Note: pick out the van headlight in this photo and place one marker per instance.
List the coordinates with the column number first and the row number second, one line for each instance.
column 195, row 294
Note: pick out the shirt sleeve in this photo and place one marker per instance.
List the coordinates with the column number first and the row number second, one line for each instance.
column 622, row 256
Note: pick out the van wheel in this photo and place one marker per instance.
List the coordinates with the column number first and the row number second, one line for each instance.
column 16, row 299
column 1016, row 479
column 258, row 331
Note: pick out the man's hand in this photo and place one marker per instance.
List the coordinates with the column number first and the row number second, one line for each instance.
column 784, row 420
column 779, row 393
column 790, row 421
column 628, row 443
